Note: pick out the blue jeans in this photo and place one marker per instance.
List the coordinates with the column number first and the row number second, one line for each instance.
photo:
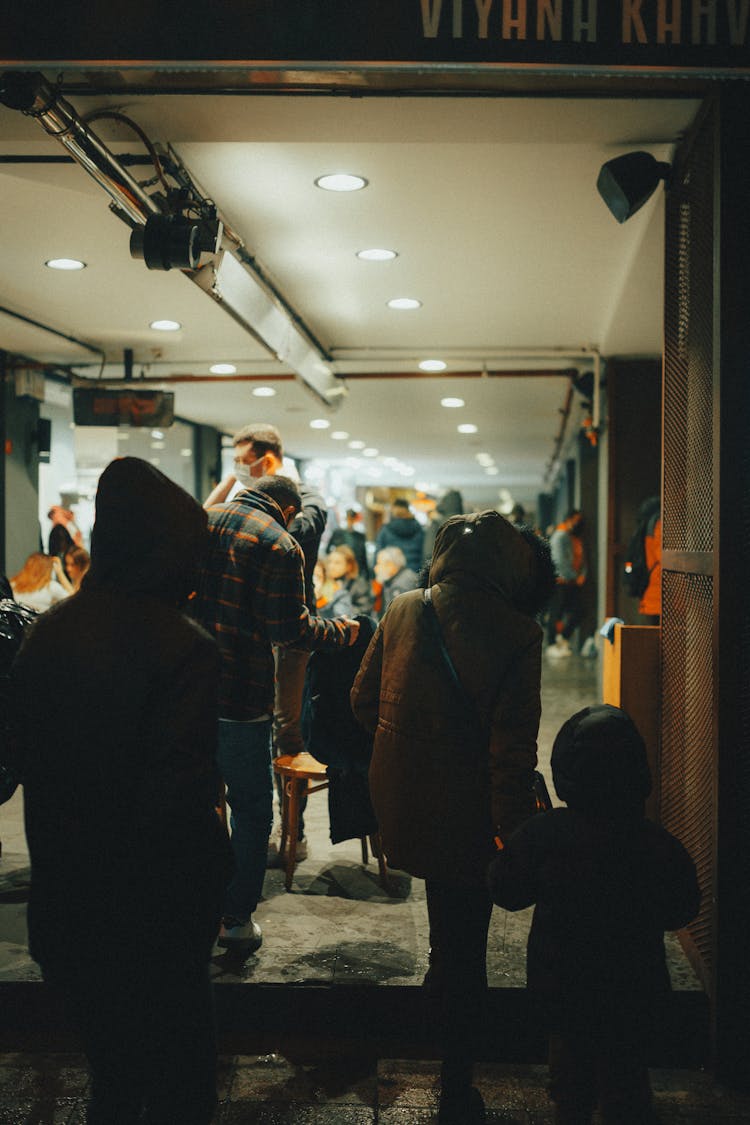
column 245, row 765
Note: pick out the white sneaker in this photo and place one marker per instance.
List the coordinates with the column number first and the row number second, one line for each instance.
column 559, row 649
column 245, row 936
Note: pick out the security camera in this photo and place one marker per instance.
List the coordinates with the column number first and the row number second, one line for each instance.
column 169, row 242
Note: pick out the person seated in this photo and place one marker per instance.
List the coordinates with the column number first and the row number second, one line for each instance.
column 76, row 563
column 331, row 595
column 41, row 582
column 341, row 565
column 392, row 577
column 350, row 536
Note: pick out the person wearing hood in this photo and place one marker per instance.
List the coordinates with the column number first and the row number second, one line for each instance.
column 450, row 504
column 607, row 883
column 405, row 532
column 128, row 856
column 448, row 773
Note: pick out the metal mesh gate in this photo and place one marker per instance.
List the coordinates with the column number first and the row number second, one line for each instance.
column 688, row 774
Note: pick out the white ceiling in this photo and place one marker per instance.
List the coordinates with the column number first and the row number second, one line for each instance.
column 490, row 203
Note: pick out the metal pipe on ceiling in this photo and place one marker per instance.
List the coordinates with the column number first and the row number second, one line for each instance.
column 230, row 279
column 33, row 95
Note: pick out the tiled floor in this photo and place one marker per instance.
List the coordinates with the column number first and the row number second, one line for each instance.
column 339, row 926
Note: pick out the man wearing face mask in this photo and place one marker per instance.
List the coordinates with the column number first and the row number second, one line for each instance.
column 258, row 452
column 251, row 597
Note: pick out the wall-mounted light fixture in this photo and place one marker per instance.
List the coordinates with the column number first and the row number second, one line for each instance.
column 628, row 181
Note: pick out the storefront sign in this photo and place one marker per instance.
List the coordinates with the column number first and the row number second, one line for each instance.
column 709, row 35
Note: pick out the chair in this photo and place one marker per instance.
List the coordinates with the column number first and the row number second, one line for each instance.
column 302, row 775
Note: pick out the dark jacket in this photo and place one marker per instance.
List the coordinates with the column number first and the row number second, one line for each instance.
column 333, row 736
column 404, row 532
column 606, row 890
column 440, row 795
column 606, row 882
column 360, row 592
column 404, row 580
column 115, row 704
column 307, row 527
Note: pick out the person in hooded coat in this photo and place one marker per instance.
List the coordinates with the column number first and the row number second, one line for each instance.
column 447, row 777
column 607, row 883
column 129, row 859
column 405, row 532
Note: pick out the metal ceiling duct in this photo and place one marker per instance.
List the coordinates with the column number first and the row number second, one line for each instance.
column 229, row 280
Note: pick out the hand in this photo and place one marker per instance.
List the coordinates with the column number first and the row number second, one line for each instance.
column 353, row 629
column 57, row 565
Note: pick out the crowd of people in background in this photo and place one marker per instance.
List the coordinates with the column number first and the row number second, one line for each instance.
column 204, row 641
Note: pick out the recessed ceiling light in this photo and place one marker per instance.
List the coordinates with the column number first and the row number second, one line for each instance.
column 186, row 453
column 264, row 392
column 166, row 325
column 157, row 435
column 65, row 264
column 432, row 365
column 492, row 470
column 452, row 402
column 404, row 303
column 223, row 369
column 319, row 424
column 377, row 255
column 356, row 445
column 370, row 452
column 341, row 181
column 339, row 435
column 467, row 428
column 485, row 459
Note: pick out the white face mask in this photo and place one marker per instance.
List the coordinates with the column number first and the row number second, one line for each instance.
column 243, row 473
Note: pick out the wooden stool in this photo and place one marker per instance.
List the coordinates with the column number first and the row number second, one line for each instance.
column 302, row 774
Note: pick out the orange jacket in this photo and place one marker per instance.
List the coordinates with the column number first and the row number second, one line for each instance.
column 650, row 603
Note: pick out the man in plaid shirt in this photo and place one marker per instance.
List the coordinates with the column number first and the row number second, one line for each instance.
column 251, row 597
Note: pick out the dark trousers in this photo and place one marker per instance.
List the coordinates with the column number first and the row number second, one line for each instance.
column 565, row 610
column 459, row 919
column 607, row 1068
column 151, row 1047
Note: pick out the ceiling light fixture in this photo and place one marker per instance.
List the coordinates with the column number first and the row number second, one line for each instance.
column 341, row 181
column 69, row 264
column 356, row 445
column 432, row 365
column 370, row 452
column 223, row 369
column 628, row 181
column 492, row 470
column 166, row 325
column 264, row 392
column 452, row 403
column 377, row 255
column 467, row 428
column 404, row 303
column 319, row 424
column 339, row 435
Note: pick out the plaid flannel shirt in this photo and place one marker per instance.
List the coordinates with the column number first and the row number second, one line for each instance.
column 251, row 596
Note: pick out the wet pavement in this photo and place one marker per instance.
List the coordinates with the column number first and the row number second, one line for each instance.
column 274, row 1090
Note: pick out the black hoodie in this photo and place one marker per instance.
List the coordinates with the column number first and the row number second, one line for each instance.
column 115, row 711
column 606, row 882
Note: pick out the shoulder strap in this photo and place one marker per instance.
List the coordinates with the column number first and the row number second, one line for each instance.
column 438, row 634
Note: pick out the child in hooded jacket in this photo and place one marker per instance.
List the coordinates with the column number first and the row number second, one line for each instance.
column 607, row 883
